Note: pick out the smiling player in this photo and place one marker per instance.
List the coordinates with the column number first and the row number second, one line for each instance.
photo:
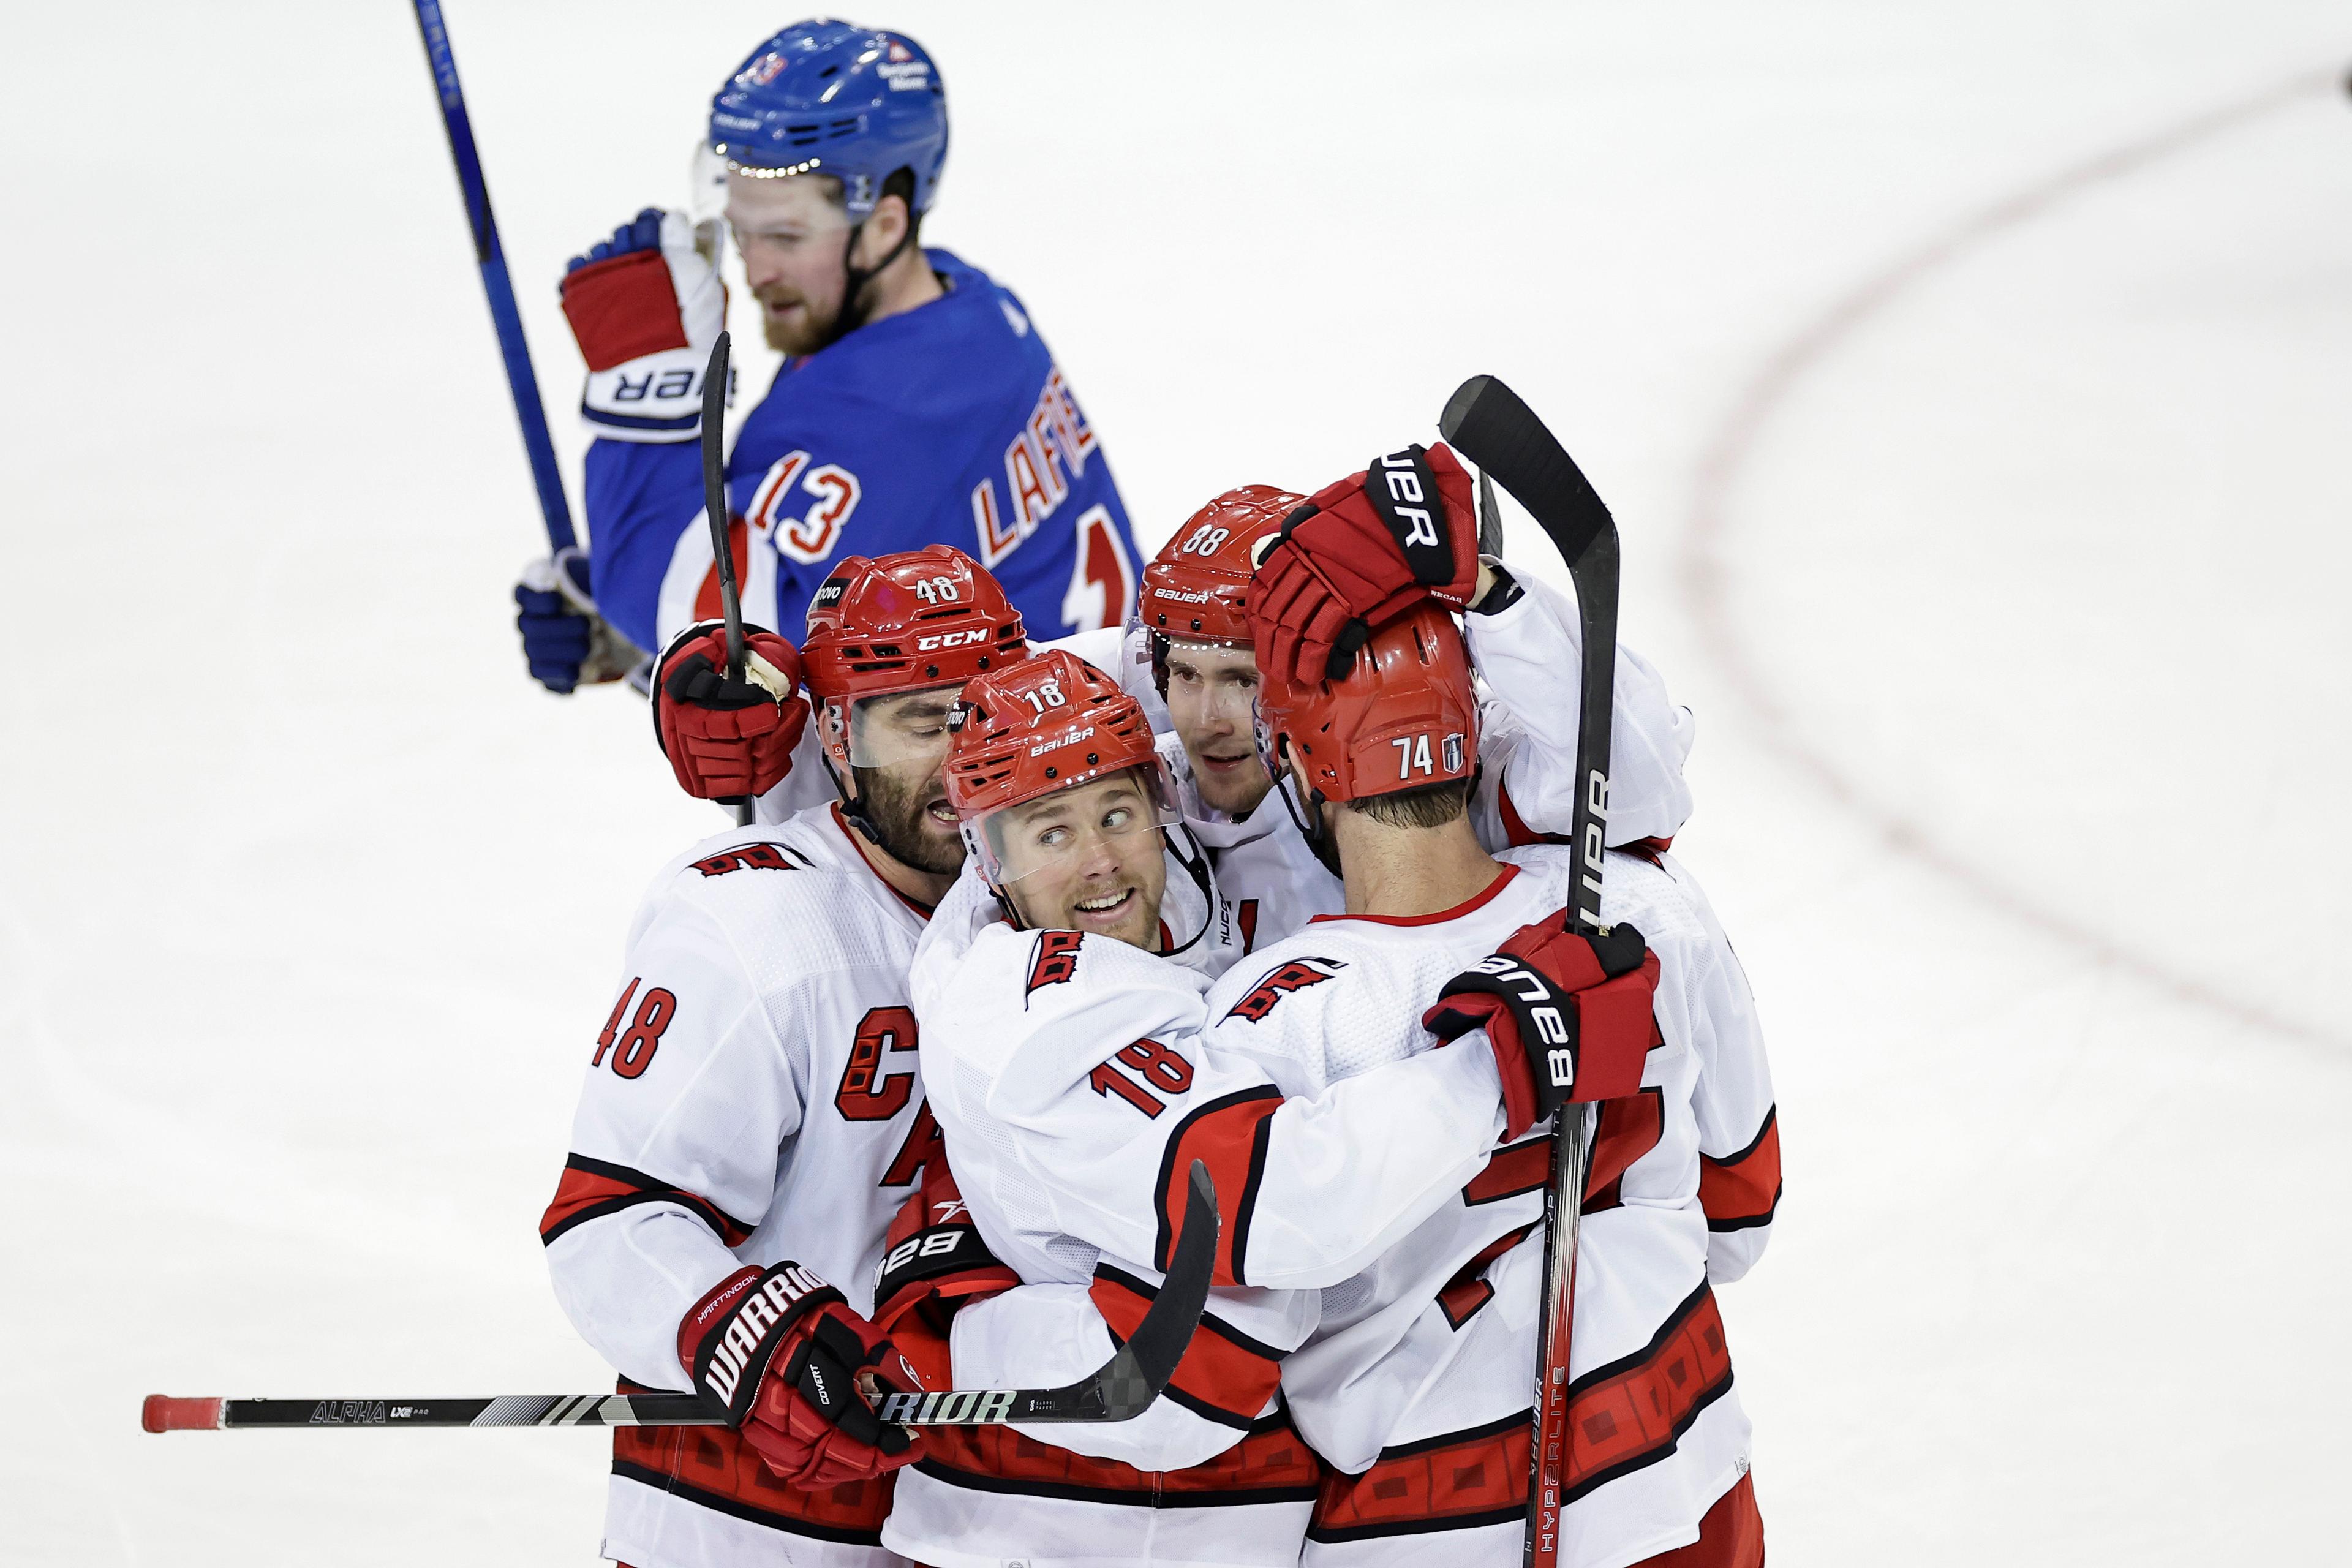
column 1413, row 1383
column 1064, row 1123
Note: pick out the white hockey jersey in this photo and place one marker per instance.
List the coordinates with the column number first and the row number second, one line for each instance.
column 1414, row 1382
column 1073, row 1132
column 752, row 1098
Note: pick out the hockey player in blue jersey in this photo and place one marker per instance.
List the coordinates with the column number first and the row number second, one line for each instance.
column 918, row 402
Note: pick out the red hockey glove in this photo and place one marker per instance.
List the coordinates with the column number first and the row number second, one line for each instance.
column 1359, row 553
column 782, row 1355
column 645, row 307
column 1567, row 1015
column 729, row 739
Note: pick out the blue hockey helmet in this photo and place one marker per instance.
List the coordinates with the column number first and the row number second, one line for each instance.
column 827, row 97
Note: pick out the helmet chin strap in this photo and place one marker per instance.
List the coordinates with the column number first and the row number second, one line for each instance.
column 1160, row 663
column 853, row 809
column 1317, row 834
column 853, row 312
column 1196, row 862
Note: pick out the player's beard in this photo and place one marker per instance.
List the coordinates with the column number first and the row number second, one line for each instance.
column 899, row 810
column 805, row 331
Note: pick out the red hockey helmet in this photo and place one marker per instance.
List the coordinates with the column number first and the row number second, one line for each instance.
column 1048, row 723
column 1193, row 589
column 888, row 624
column 1404, row 715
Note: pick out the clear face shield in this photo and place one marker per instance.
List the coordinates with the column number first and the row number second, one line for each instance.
column 1212, row 684
column 773, row 213
column 896, row 731
column 1060, row 837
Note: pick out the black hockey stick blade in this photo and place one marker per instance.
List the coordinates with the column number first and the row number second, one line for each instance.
column 714, row 499
column 1487, row 423
column 1122, row 1387
column 1119, row 1390
column 1490, row 518
column 714, row 503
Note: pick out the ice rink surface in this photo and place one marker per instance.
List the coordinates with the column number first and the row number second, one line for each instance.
column 1972, row 384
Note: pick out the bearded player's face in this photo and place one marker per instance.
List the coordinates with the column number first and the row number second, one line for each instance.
column 896, row 750
column 907, row 807
column 792, row 234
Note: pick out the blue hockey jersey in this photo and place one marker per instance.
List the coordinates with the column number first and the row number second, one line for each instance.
column 949, row 424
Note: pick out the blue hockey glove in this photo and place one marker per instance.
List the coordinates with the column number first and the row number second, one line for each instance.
column 565, row 642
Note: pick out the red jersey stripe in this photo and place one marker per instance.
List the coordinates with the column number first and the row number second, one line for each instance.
column 591, row 1189
column 1228, row 1135
column 1742, row 1191
column 1225, row 1374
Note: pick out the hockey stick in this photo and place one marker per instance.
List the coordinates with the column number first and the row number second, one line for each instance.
column 1121, row 1389
column 504, row 317
column 1486, row 421
column 1490, row 518
column 714, row 503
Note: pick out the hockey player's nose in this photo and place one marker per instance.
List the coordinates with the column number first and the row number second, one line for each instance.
column 1098, row 860
column 763, row 268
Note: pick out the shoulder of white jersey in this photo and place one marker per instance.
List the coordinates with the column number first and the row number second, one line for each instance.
column 1328, row 960
column 1036, row 1010
column 1335, row 997
column 1659, row 899
column 1199, row 926
column 798, row 886
column 1099, row 645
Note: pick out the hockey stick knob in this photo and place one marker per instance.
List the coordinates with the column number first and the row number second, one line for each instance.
column 162, row 1413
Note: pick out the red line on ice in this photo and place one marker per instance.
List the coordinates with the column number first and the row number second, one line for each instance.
column 1709, row 588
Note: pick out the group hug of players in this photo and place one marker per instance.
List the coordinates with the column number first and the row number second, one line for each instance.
column 900, row 1084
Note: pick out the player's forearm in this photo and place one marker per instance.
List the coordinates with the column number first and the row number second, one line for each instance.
column 1349, row 1173
column 625, row 1279
column 639, row 499
column 1343, row 1174
column 1739, row 1123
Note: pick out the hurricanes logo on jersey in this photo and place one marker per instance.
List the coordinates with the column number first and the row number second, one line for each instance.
column 1057, row 958
column 1295, row 976
column 753, row 858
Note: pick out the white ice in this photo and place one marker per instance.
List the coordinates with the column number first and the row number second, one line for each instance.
column 1965, row 396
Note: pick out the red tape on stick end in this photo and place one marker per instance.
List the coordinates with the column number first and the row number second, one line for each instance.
column 162, row 1413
